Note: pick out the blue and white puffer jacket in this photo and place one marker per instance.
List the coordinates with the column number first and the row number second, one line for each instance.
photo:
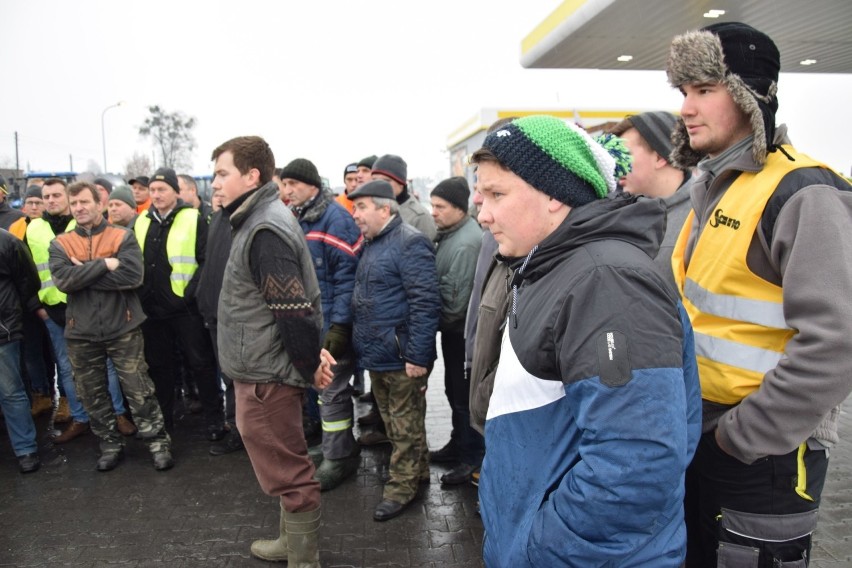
column 596, row 407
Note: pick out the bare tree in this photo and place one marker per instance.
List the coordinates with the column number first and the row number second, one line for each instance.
column 138, row 165
column 172, row 134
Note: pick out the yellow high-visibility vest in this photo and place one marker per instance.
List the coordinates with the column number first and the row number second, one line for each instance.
column 39, row 237
column 738, row 317
column 180, row 246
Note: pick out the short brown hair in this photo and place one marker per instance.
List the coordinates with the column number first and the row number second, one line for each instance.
column 77, row 188
column 249, row 152
column 54, row 181
column 484, row 155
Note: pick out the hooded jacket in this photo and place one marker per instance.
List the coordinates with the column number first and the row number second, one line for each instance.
column 595, row 412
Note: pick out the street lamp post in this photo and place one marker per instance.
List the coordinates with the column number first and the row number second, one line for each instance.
column 103, row 131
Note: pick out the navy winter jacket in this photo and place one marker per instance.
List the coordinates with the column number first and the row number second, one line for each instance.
column 335, row 243
column 396, row 303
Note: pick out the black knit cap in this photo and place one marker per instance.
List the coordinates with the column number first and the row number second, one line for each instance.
column 455, row 191
column 302, row 170
column 656, row 129
column 104, row 183
column 375, row 188
column 33, row 191
column 392, row 166
column 167, row 175
column 350, row 169
column 368, row 161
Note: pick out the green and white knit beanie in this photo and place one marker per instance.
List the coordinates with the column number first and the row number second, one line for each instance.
column 555, row 157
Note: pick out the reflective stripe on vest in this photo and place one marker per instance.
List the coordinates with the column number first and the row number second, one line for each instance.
column 39, row 237
column 180, row 246
column 738, row 318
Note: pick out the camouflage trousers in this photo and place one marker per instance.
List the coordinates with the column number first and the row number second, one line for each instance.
column 88, row 358
column 402, row 405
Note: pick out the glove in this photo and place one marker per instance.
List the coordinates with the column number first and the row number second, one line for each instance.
column 337, row 340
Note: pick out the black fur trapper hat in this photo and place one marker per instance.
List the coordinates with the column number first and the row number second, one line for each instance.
column 742, row 58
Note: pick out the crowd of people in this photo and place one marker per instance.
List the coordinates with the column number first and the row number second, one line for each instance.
column 642, row 332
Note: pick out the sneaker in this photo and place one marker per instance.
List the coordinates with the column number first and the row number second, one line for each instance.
column 75, row 430
column 41, row 403
column 448, row 454
column 373, row 438
column 124, row 425
column 63, row 412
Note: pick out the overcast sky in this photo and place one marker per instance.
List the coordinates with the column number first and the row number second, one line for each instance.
column 331, row 81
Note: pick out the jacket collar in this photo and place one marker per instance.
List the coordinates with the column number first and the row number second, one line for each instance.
column 255, row 198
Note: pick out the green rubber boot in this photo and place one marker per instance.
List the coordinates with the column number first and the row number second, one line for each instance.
column 273, row 550
column 302, row 533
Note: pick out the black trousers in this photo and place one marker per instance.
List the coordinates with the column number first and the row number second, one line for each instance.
column 757, row 515
column 187, row 330
column 469, row 442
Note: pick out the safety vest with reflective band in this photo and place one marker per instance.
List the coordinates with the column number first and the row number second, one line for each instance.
column 737, row 317
column 180, row 246
column 39, row 236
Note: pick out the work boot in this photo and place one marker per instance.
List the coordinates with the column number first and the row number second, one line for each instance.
column 373, row 438
column 75, row 430
column 63, row 412
column 302, row 529
column 332, row 473
column 370, row 418
column 109, row 460
column 273, row 550
column 448, row 454
column 124, row 425
column 233, row 443
column 41, row 404
column 163, row 460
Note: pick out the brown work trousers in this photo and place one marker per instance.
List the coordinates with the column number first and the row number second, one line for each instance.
column 269, row 418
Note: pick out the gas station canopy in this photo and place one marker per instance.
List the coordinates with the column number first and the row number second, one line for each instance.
column 813, row 36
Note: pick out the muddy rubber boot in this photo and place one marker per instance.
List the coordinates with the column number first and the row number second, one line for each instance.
column 302, row 533
column 272, row 550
